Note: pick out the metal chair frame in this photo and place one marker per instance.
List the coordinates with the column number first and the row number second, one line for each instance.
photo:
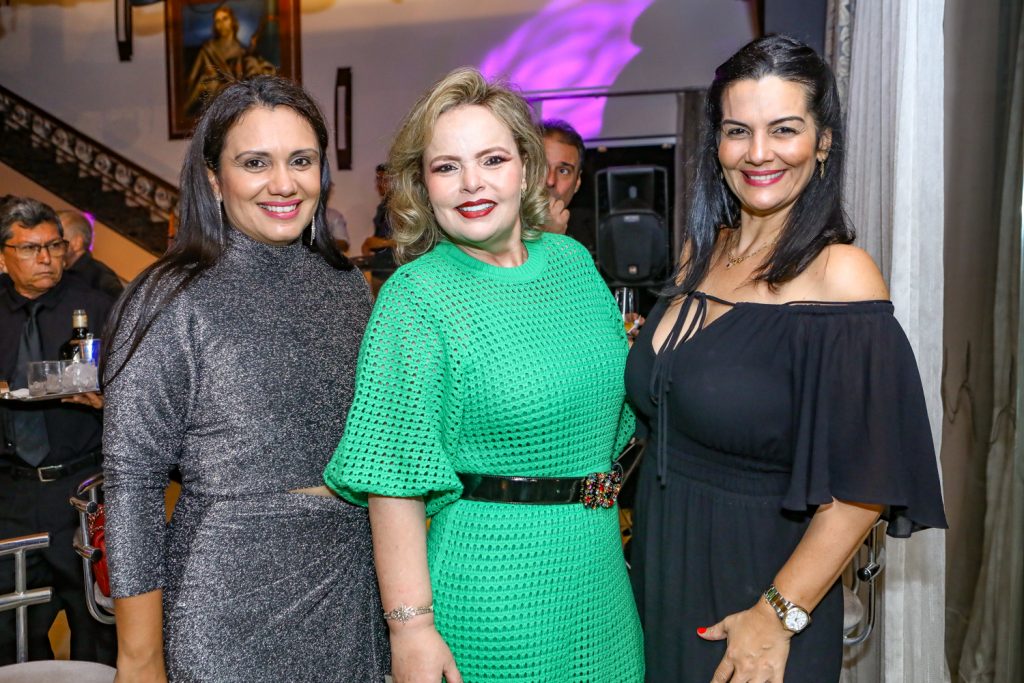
column 87, row 502
column 867, row 573
column 22, row 598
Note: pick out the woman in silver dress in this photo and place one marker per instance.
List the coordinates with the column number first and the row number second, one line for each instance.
column 232, row 358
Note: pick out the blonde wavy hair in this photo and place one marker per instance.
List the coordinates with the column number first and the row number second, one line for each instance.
column 414, row 227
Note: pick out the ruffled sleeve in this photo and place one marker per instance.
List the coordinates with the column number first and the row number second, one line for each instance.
column 403, row 422
column 862, row 432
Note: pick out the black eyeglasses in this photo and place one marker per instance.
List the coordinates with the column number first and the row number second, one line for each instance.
column 30, row 252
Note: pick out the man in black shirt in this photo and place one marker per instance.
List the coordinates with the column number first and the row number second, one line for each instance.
column 79, row 259
column 46, row 447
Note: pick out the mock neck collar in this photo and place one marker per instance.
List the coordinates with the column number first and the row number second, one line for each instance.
column 241, row 244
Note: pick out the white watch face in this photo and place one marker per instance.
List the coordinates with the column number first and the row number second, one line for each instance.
column 796, row 620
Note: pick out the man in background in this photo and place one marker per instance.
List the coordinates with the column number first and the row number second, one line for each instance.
column 79, row 260
column 337, row 225
column 46, row 447
column 381, row 238
column 564, row 150
column 379, row 247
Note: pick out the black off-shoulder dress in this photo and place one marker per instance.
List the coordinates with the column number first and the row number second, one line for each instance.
column 756, row 419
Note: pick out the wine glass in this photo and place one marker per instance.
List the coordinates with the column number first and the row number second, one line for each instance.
column 625, row 297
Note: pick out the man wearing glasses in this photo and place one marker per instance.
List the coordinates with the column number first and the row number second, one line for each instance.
column 46, row 447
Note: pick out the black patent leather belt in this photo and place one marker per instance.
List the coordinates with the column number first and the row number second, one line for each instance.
column 597, row 490
column 50, row 472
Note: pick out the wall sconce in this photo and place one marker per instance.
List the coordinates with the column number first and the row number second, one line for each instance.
column 343, row 118
column 123, row 29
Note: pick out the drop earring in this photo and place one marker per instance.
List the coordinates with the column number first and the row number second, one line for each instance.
column 312, row 231
column 821, row 169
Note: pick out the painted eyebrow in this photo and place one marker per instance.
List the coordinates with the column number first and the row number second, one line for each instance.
column 264, row 153
column 482, row 153
column 770, row 123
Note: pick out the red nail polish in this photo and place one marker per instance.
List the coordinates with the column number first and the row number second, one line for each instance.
column 701, row 631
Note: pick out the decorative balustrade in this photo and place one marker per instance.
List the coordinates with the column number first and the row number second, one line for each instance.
column 85, row 173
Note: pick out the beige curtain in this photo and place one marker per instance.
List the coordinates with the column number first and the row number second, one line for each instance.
column 894, row 197
column 839, row 43
column 994, row 638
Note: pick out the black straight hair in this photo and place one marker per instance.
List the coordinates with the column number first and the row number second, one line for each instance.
column 816, row 218
column 202, row 229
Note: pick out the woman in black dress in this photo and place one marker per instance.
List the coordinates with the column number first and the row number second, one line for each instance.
column 784, row 403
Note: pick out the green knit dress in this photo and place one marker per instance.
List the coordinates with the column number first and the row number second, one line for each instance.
column 468, row 367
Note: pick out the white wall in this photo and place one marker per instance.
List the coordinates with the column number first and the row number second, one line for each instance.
column 61, row 55
column 124, row 257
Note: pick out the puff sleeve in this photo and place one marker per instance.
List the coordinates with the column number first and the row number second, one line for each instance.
column 404, row 420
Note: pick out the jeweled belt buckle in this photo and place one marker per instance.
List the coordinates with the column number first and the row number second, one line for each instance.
column 601, row 489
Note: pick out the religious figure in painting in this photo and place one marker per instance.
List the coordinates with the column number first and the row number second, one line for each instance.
column 223, row 59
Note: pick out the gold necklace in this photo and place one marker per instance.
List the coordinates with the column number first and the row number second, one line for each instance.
column 732, row 259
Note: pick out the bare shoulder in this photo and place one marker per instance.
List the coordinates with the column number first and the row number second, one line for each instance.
column 843, row 272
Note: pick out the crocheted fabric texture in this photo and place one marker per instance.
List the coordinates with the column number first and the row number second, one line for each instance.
column 467, row 367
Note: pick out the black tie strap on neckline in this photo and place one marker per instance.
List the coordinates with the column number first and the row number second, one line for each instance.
column 661, row 375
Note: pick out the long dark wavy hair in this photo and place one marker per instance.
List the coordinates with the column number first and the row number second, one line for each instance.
column 203, row 229
column 816, row 218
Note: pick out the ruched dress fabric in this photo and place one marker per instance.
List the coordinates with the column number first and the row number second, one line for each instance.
column 756, row 419
column 468, row 367
column 243, row 382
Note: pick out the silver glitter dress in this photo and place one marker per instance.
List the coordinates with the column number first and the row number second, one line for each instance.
column 243, row 382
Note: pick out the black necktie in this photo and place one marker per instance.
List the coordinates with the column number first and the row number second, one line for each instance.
column 31, row 442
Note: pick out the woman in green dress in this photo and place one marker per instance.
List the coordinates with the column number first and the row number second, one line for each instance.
column 490, row 398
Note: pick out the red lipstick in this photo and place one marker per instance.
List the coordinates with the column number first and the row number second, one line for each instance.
column 476, row 209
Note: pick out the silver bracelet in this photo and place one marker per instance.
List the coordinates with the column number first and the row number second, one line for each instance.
column 404, row 613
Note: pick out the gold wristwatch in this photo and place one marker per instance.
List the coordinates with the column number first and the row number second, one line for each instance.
column 793, row 617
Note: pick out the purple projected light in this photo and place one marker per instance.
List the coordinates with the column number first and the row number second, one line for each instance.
column 92, row 224
column 570, row 44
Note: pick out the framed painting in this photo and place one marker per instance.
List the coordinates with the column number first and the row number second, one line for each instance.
column 210, row 44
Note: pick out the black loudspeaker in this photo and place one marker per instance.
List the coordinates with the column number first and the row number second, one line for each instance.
column 632, row 237
column 632, row 248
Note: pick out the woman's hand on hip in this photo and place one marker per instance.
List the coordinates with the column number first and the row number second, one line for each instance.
column 758, row 646
column 420, row 655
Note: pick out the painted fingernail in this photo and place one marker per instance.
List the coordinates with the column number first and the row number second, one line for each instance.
column 701, row 631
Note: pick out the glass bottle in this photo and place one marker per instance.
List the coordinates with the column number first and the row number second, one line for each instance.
column 72, row 348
